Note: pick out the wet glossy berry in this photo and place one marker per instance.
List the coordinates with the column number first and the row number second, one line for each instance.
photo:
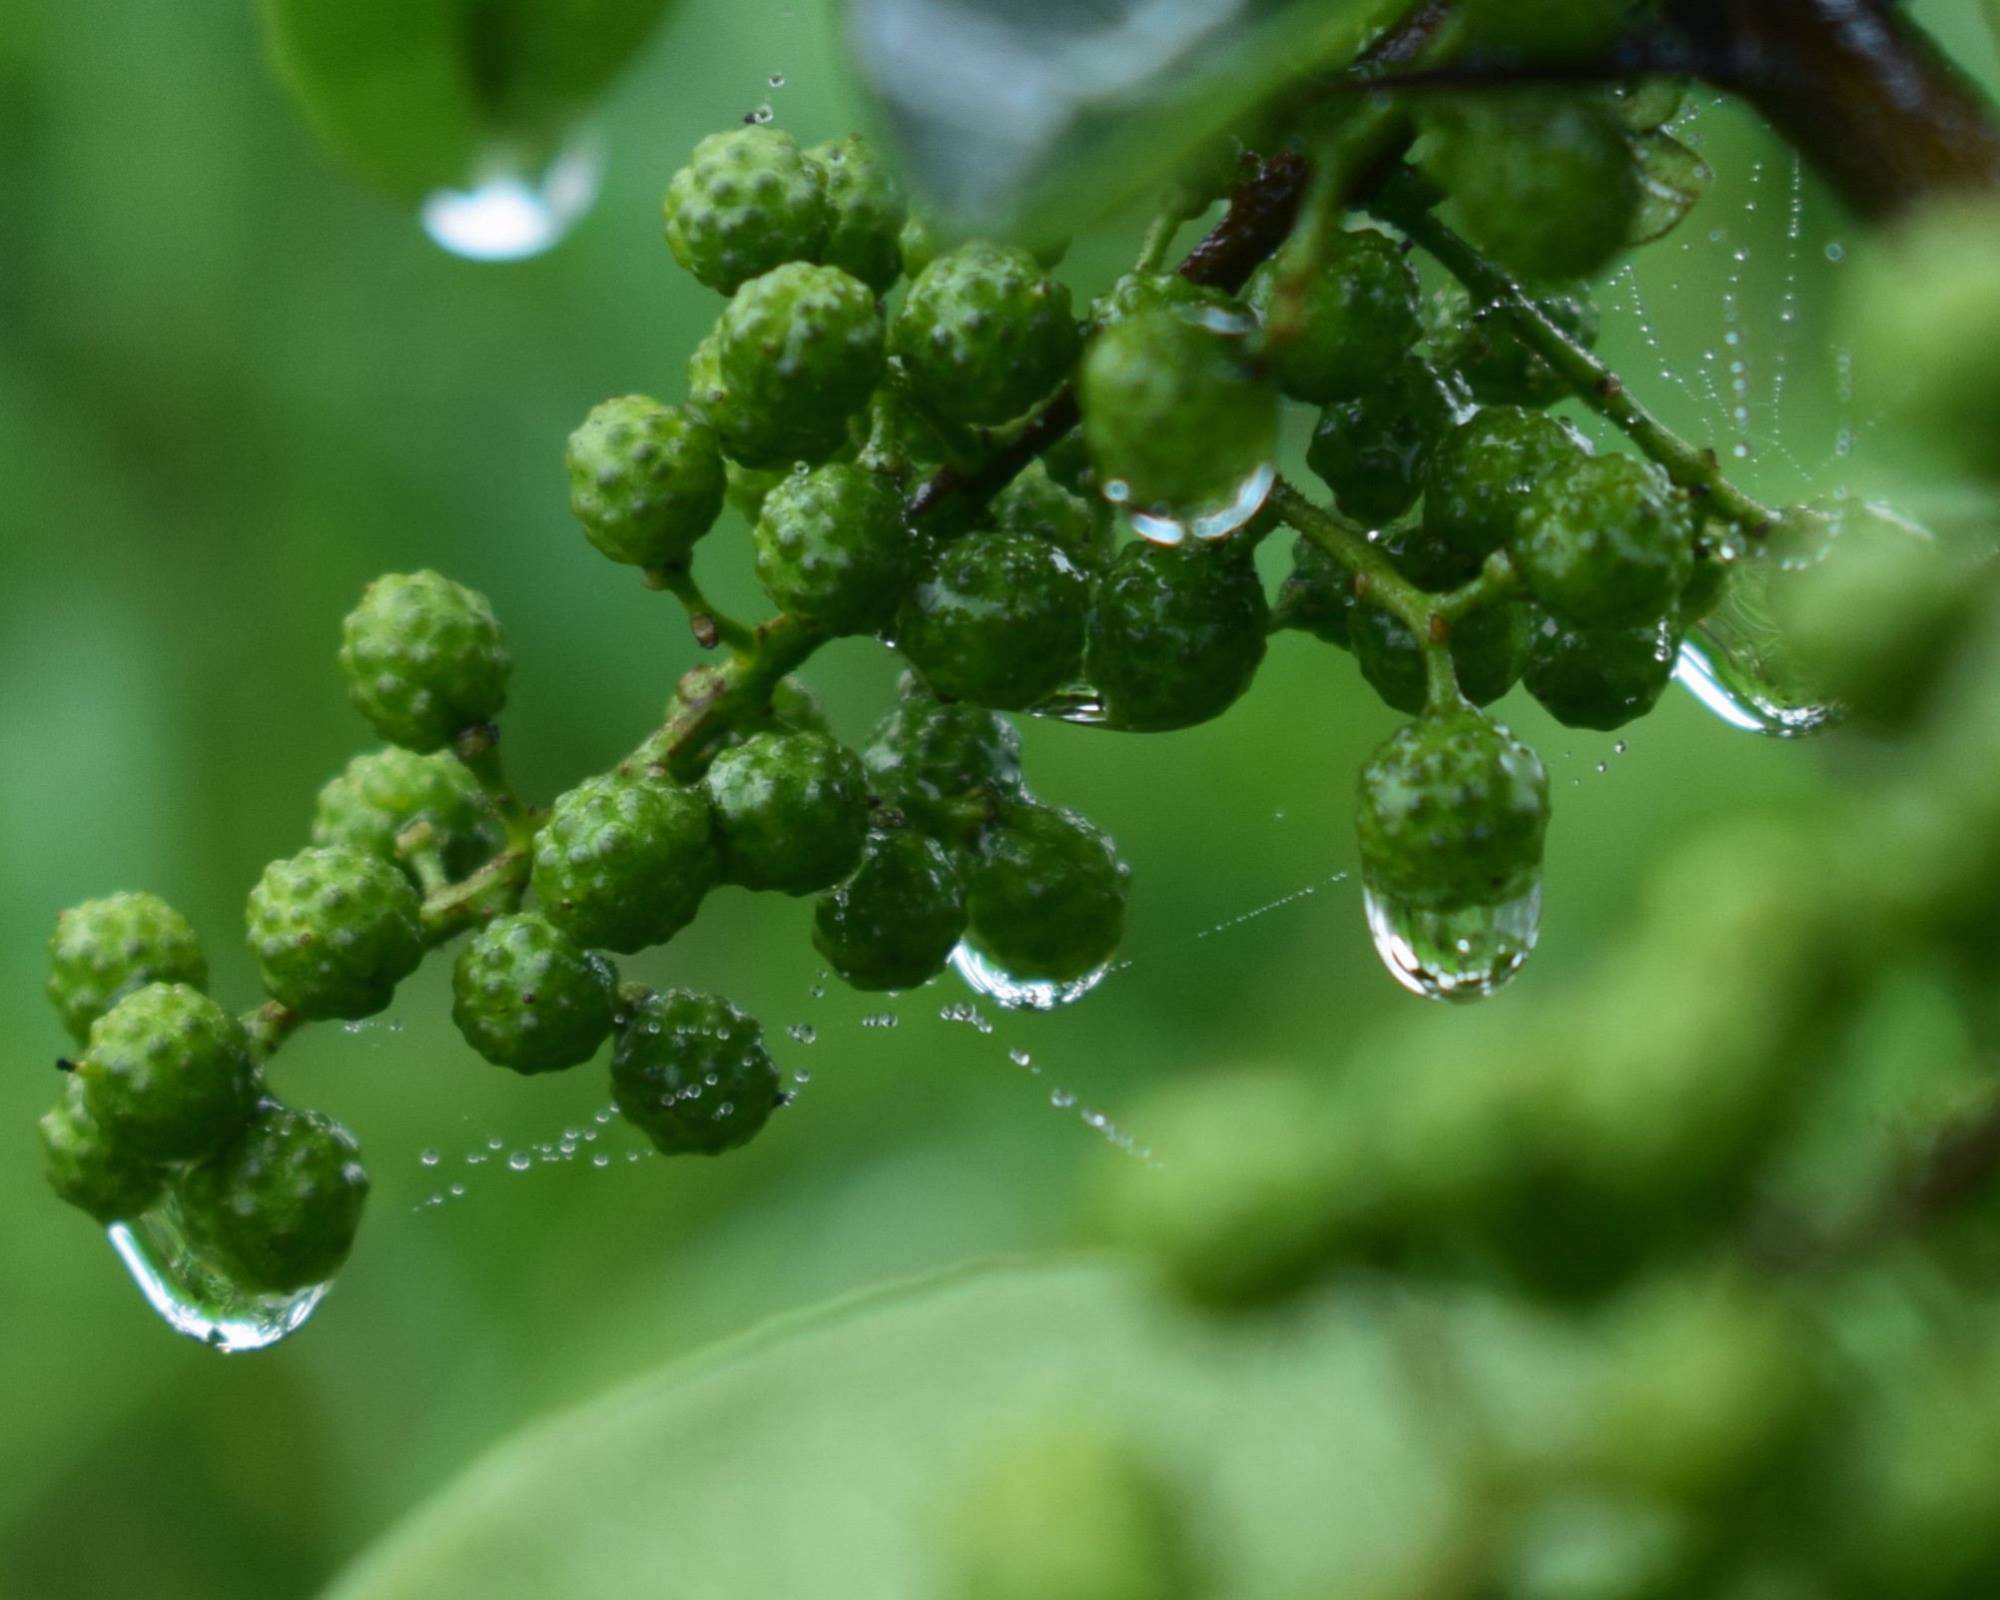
column 1545, row 181
column 334, row 931
column 747, row 201
column 794, row 709
column 1317, row 596
column 1371, row 451
column 104, row 949
column 1499, row 367
column 1609, row 540
column 1477, row 485
column 279, row 1207
column 1356, row 318
column 798, row 351
column 1176, row 635
column 167, row 1075
column 1489, row 647
column 424, row 659
column 645, row 480
column 1600, row 677
column 1453, row 810
column 984, row 333
column 791, row 811
column 1179, row 426
column 368, row 804
column 1045, row 893
column 998, row 621
column 929, row 750
column 1035, row 503
column 1138, row 292
column 623, row 863
column 895, row 920
column 86, row 1168
column 691, row 1072
column 865, row 211
column 832, row 546
column 527, row 996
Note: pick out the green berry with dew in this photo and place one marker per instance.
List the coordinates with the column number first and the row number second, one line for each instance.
column 832, row 546
column 279, row 1207
column 799, row 350
column 167, row 1074
column 1601, row 677
column 1045, row 893
column 927, row 751
column 865, row 211
column 1479, row 479
column 894, row 921
column 1498, row 365
column 1609, row 540
column 1176, row 634
column 87, row 1168
column 1035, row 503
column 378, row 797
column 1489, row 651
column 748, row 200
column 998, row 620
column 984, row 333
column 791, row 811
column 624, row 863
column 1371, row 451
column 333, row 931
column 1353, row 316
column 690, row 1071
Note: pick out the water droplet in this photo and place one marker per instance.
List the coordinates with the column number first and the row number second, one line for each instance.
column 429, row 1158
column 1214, row 518
column 801, row 1078
column 1836, row 252
column 1464, row 954
column 495, row 1142
column 512, row 208
column 879, row 1019
column 985, row 977
column 195, row 1298
column 759, row 116
column 1020, row 1057
column 601, row 1160
column 519, row 1161
column 1620, row 747
column 1061, row 1099
column 777, row 80
column 458, row 1191
column 802, row 1033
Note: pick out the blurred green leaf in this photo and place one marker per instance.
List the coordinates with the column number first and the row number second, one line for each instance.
column 1035, row 115
column 827, row 1454
column 1671, row 179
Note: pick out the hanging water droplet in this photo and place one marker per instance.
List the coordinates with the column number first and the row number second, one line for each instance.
column 519, row 1161
column 776, row 80
column 198, row 1300
column 984, row 976
column 1463, row 954
column 513, row 206
column 1020, row 1057
column 1740, row 674
column 1062, row 1099
column 601, row 1160
column 1216, row 517
column 802, row 1033
column 1079, row 703
column 429, row 1158
column 761, row 115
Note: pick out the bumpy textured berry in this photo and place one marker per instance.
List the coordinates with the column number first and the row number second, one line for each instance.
column 104, row 949
column 167, row 1075
column 1045, row 893
column 370, row 801
column 1177, row 423
column 1317, row 596
column 1453, row 811
column 1372, row 450
column 1035, row 503
column 747, row 201
column 691, row 1072
column 645, row 480
column 424, row 658
column 928, row 751
column 1138, row 292
column 1482, row 473
column 526, row 995
column 1499, row 367
column 1609, row 540
column 1544, row 181
column 865, row 211
column 334, row 931
column 998, row 621
column 791, row 811
column 623, row 863
column 279, row 1207
column 1357, row 317
column 831, row 545
column 984, row 333
column 1176, row 635
column 1600, row 677
column 86, row 1168
column 798, row 350
column 895, row 920
column 794, row 709
column 918, row 245
column 1489, row 647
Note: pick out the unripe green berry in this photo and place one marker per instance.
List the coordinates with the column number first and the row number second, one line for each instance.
column 1356, row 316
column 1035, row 503
column 998, row 621
column 918, row 245
column 791, row 811
column 1480, row 477
column 645, row 480
column 1317, row 596
column 1371, row 451
column 798, row 349
column 167, row 1075
column 279, row 1207
column 691, row 1072
column 984, row 333
column 1609, row 540
column 1453, row 810
column 1045, row 893
column 865, row 211
column 527, row 996
column 1489, row 650
column 86, row 1168
column 1601, row 677
column 334, row 931
column 1178, row 425
column 747, row 201
column 368, row 804
column 1176, row 634
column 104, row 949
column 832, row 546
column 623, row 863
column 794, row 709
column 424, row 659
column 926, row 751
column 894, row 922
column 1500, row 368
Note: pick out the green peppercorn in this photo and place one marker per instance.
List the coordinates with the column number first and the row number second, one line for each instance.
column 623, row 863
column 1176, row 635
column 424, row 659
column 791, row 811
column 690, row 1072
column 103, row 949
column 527, row 996
column 278, row 1208
column 893, row 923
column 1045, row 893
column 999, row 621
column 167, row 1074
column 334, row 931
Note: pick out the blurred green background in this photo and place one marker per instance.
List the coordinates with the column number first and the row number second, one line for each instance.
column 233, row 388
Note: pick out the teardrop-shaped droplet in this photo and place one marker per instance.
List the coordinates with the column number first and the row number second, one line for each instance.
column 1462, row 954
column 195, row 1297
column 513, row 206
column 1078, row 703
column 1746, row 679
column 986, row 977
column 1214, row 517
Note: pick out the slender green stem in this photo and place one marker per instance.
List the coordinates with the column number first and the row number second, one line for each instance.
column 1157, row 241
column 495, row 888
column 269, row 1026
column 709, row 623
column 713, row 699
column 1596, row 385
column 1497, row 579
column 1375, row 578
column 478, row 748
